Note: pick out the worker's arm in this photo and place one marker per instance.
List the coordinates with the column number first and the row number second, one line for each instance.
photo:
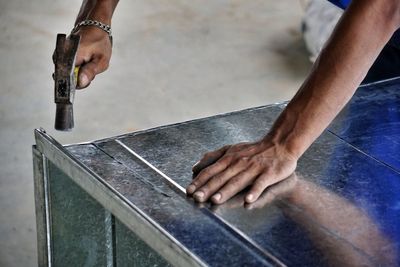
column 94, row 51
column 360, row 35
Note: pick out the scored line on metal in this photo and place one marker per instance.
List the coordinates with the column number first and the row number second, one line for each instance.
column 151, row 166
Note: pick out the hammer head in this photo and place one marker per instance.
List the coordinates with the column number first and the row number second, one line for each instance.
column 64, row 117
column 65, row 80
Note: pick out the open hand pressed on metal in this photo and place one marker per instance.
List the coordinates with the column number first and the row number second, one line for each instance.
column 221, row 174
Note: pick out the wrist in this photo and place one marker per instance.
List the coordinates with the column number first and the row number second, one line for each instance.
column 100, row 10
column 285, row 135
column 100, row 13
column 95, row 24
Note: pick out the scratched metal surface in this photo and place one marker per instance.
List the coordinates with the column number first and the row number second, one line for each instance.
column 132, row 251
column 87, row 244
column 341, row 208
column 189, row 225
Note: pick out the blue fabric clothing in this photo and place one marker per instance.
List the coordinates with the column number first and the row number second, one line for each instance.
column 340, row 3
column 387, row 65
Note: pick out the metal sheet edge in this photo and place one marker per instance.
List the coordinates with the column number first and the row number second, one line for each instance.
column 41, row 208
column 143, row 226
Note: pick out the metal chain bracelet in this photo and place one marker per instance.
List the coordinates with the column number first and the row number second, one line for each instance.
column 89, row 22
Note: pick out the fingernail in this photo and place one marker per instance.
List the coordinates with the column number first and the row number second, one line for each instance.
column 190, row 189
column 198, row 195
column 216, row 197
column 249, row 197
column 83, row 80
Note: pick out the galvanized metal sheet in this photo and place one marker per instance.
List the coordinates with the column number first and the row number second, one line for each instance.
column 341, row 207
column 371, row 122
column 342, row 199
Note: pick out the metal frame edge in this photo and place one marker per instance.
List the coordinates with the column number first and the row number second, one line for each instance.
column 149, row 231
column 41, row 209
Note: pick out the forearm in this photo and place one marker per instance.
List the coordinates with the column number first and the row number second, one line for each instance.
column 359, row 37
column 101, row 10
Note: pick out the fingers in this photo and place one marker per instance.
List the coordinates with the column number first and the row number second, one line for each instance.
column 275, row 191
column 266, row 198
column 93, row 55
column 89, row 70
column 263, row 181
column 217, row 181
column 229, row 170
column 87, row 73
column 235, row 202
column 209, row 159
column 235, row 185
column 222, row 184
column 285, row 186
column 206, row 174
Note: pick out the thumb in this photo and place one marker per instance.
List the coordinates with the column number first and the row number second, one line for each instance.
column 87, row 72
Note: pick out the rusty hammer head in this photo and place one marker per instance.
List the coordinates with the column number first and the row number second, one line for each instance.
column 65, row 80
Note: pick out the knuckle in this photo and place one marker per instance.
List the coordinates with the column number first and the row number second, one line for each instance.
column 83, row 55
column 225, row 147
column 236, row 180
column 225, row 160
column 260, row 184
column 207, row 155
column 213, row 166
column 242, row 160
column 266, row 171
column 218, row 179
column 253, row 171
column 205, row 188
column 235, row 148
column 254, row 164
column 241, row 144
column 205, row 173
column 105, row 65
column 97, row 68
column 257, row 160
column 228, row 157
column 198, row 180
column 221, row 162
column 269, row 171
column 91, row 71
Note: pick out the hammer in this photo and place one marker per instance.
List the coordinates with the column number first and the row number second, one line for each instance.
column 65, row 80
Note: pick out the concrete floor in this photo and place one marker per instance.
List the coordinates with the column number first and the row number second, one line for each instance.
column 173, row 61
